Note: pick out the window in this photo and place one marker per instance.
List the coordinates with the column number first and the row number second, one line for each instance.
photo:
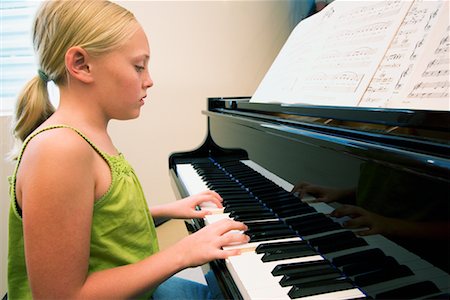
column 17, row 62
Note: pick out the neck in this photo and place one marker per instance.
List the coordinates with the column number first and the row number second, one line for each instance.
column 80, row 109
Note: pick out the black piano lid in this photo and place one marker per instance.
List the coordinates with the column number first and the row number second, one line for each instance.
column 425, row 119
column 427, row 154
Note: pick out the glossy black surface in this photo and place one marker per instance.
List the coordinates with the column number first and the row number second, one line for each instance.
column 402, row 173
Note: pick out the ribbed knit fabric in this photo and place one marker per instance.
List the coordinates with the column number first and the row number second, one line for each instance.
column 122, row 231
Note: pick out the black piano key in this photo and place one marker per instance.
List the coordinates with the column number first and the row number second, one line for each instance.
column 369, row 266
column 292, row 268
column 245, row 209
column 332, row 238
column 384, row 274
column 294, row 279
column 265, row 224
column 270, row 236
column 318, row 228
column 281, row 245
column 357, row 257
column 256, row 184
column 320, row 287
column 231, row 200
column 342, row 245
column 311, row 222
column 307, row 271
column 252, row 215
column 242, row 217
column 271, row 194
column 287, row 253
column 301, row 221
column 283, row 199
column 296, row 212
column 284, row 204
column 268, row 233
column 267, row 228
column 235, row 194
column 415, row 290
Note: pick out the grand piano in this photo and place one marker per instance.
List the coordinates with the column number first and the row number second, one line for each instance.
column 261, row 157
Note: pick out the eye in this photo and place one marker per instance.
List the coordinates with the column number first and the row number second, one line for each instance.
column 139, row 68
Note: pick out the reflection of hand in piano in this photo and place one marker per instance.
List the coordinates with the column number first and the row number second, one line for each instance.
column 362, row 218
column 324, row 194
column 354, row 266
column 390, row 227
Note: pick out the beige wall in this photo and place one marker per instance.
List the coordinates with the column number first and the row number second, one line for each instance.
column 199, row 49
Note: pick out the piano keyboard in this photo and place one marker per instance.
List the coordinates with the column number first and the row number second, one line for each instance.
column 296, row 250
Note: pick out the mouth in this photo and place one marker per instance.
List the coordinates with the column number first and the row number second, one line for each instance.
column 142, row 99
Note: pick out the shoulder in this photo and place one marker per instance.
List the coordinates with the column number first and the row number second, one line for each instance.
column 59, row 142
column 57, row 151
column 55, row 164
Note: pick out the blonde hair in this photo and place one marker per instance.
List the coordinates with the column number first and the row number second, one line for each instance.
column 95, row 25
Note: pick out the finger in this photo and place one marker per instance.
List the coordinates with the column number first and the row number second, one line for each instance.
column 366, row 232
column 223, row 254
column 316, row 200
column 200, row 214
column 216, row 201
column 347, row 210
column 358, row 222
column 202, row 198
column 299, row 186
column 214, row 194
column 233, row 238
column 226, row 225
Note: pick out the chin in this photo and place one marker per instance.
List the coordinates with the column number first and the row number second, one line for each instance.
column 130, row 116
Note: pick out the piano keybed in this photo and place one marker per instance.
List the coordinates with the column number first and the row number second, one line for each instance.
column 296, row 250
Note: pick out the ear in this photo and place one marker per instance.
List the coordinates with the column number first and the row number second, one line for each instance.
column 78, row 64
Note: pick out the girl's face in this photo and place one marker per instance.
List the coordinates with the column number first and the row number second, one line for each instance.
column 122, row 78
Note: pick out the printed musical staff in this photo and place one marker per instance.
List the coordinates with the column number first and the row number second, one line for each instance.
column 403, row 60
column 375, row 53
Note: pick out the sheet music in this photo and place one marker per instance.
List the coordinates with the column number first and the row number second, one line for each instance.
column 423, row 34
column 429, row 84
column 330, row 57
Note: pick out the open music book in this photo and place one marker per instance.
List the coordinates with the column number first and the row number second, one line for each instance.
column 390, row 54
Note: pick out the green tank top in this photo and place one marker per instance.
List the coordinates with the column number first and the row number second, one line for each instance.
column 122, row 230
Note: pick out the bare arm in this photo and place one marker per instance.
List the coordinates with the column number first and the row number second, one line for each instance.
column 56, row 187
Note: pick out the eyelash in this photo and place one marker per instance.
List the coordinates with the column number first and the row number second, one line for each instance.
column 139, row 68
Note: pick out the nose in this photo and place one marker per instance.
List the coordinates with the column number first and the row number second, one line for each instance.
column 148, row 82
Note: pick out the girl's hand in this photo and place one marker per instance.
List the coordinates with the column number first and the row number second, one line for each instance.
column 186, row 208
column 206, row 244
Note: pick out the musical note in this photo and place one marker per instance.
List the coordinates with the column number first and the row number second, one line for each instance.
column 411, row 80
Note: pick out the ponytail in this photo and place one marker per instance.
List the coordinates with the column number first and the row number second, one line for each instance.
column 96, row 26
column 33, row 107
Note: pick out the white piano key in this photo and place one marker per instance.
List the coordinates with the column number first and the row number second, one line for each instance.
column 256, row 281
column 194, row 184
column 209, row 219
column 190, row 179
column 252, row 245
column 248, row 274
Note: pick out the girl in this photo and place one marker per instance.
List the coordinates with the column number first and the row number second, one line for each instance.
column 79, row 226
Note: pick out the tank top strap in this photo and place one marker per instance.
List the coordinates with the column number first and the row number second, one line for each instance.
column 31, row 136
column 12, row 179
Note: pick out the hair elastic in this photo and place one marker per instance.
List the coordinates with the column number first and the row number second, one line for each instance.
column 43, row 76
